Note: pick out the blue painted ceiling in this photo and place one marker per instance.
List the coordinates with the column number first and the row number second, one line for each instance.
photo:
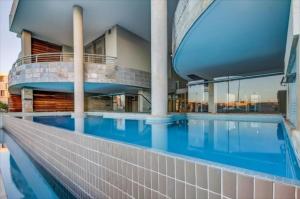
column 235, row 37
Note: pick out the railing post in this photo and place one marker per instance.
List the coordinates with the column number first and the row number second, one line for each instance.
column 36, row 58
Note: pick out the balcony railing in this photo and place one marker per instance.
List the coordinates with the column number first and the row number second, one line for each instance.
column 64, row 57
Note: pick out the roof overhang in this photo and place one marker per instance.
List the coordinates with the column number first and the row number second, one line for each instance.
column 52, row 20
column 235, row 38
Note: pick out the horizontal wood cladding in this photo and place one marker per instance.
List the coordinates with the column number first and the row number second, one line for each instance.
column 39, row 47
column 44, row 101
column 15, row 103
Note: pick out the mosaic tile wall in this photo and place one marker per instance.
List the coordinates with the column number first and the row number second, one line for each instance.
column 92, row 167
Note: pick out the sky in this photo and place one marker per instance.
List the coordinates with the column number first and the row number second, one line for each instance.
column 10, row 44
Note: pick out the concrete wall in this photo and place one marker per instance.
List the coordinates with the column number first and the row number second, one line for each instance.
column 131, row 50
column 92, row 167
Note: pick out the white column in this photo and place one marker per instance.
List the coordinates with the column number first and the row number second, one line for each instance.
column 159, row 54
column 211, row 98
column 78, row 67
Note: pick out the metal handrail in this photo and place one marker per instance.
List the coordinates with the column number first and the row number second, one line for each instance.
column 63, row 57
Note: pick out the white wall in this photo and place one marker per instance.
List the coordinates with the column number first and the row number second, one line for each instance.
column 131, row 50
column 111, row 42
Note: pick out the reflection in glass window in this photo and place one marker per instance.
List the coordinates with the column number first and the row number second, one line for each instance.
column 245, row 95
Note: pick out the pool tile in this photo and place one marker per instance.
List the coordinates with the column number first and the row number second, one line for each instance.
column 154, row 162
column 180, row 190
column 245, row 185
column 180, row 173
column 141, row 191
column 147, row 193
column 214, row 176
column 190, row 191
column 141, row 176
column 162, row 184
column 141, row 158
column 129, row 171
column 298, row 193
column 135, row 190
column 190, row 172
column 229, row 184
column 154, row 180
column 201, row 176
column 148, row 179
column 154, row 194
column 171, row 188
column 263, row 189
column 284, row 191
column 135, row 173
column 162, row 164
column 147, row 160
column 202, row 193
column 129, row 187
column 171, row 167
column 214, row 196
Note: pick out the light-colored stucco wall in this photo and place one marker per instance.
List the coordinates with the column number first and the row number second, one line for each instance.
column 131, row 50
column 111, row 42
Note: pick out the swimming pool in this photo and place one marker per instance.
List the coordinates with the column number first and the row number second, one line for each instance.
column 23, row 177
column 256, row 146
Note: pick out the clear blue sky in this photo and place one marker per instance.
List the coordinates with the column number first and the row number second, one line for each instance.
column 10, row 44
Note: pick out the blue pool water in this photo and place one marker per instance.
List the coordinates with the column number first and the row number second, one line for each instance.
column 256, row 146
column 24, row 178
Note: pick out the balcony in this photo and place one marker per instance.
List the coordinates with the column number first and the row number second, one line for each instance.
column 186, row 13
column 58, row 68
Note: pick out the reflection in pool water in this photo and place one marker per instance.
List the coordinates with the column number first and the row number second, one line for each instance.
column 24, row 178
column 258, row 146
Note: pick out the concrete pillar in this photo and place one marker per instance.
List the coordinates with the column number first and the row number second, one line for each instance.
column 27, row 100
column 159, row 55
column 25, row 43
column 211, row 98
column 78, row 65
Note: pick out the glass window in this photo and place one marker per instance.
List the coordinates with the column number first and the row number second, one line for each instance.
column 262, row 95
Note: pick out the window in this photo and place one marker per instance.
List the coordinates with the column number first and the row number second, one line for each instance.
column 2, row 93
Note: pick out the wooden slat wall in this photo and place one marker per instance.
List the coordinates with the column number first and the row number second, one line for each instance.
column 15, row 103
column 39, row 46
column 52, row 101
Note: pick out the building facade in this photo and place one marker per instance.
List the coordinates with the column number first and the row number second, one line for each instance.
column 4, row 95
column 203, row 72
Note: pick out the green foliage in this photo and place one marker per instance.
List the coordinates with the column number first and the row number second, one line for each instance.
column 3, row 107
